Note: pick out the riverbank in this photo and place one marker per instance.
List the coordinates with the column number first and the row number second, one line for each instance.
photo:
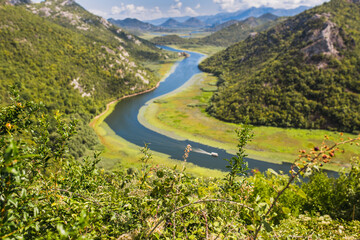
column 119, row 152
column 182, row 115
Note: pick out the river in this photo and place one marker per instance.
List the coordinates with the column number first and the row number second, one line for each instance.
column 124, row 121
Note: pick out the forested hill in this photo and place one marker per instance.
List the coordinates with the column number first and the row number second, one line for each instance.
column 304, row 72
column 69, row 59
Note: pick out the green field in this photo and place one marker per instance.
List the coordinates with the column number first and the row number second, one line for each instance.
column 182, row 114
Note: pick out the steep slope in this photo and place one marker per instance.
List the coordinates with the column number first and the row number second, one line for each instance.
column 71, row 15
column 305, row 72
column 73, row 70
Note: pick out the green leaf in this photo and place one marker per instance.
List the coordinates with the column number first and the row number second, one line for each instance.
column 286, row 210
column 301, row 194
column 267, row 226
column 61, row 230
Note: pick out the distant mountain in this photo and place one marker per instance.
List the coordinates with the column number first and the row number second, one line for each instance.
column 227, row 36
column 303, row 73
column 240, row 30
column 135, row 24
column 253, row 12
column 213, row 20
column 193, row 23
column 219, row 26
column 171, row 23
column 160, row 21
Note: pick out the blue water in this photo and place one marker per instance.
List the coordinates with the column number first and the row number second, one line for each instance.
column 124, row 121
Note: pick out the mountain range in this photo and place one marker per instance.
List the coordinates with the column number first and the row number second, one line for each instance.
column 225, row 35
column 132, row 24
column 189, row 23
column 212, row 20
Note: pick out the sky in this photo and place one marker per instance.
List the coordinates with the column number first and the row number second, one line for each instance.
column 153, row 9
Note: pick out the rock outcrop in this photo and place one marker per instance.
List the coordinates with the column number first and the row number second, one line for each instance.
column 326, row 40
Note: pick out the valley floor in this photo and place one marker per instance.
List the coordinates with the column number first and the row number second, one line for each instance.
column 181, row 114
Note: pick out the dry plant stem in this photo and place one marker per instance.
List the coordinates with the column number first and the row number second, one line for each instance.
column 293, row 177
column 197, row 202
column 206, row 225
column 174, row 227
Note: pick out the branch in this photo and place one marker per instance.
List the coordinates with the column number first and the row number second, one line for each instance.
column 297, row 174
column 197, row 202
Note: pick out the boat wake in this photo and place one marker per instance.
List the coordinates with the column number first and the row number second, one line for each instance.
column 199, row 150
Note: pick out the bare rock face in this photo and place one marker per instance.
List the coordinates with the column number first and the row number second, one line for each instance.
column 326, row 40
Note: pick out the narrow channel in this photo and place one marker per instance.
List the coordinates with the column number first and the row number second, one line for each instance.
column 124, row 121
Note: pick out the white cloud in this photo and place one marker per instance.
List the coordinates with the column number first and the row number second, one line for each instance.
column 178, row 5
column 197, row 6
column 227, row 5
column 133, row 11
column 234, row 5
column 175, row 9
column 190, row 11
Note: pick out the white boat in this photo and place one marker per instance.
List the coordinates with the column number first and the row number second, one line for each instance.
column 214, row 154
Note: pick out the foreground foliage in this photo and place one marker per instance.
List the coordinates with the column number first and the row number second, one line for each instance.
column 46, row 194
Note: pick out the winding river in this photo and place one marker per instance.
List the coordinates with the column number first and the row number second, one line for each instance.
column 124, row 121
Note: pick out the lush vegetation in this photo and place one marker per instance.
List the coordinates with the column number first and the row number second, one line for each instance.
column 75, row 67
column 46, row 194
column 226, row 36
column 270, row 144
column 302, row 73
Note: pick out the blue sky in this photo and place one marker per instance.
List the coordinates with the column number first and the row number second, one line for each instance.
column 152, row 9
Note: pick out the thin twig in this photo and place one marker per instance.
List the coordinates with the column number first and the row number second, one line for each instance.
column 197, row 202
column 206, row 225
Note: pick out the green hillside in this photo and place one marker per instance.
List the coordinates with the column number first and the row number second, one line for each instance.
column 72, row 70
column 304, row 72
